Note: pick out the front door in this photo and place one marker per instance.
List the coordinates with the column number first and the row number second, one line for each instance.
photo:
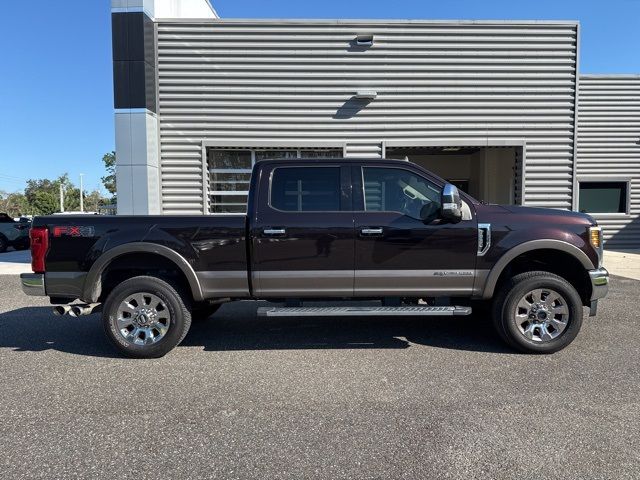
column 399, row 254
column 303, row 236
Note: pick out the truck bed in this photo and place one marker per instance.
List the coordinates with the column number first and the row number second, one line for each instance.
column 207, row 243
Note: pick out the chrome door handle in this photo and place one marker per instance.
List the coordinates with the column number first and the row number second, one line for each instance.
column 371, row 231
column 274, row 231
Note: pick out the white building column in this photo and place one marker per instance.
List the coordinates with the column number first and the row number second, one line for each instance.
column 135, row 97
column 137, row 163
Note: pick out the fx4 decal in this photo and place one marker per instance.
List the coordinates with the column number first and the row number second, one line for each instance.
column 73, row 231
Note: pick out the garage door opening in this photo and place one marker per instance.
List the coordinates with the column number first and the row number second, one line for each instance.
column 490, row 174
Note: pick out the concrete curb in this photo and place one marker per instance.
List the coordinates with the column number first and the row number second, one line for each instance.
column 15, row 262
column 624, row 263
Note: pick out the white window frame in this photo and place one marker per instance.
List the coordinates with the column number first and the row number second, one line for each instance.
column 605, row 179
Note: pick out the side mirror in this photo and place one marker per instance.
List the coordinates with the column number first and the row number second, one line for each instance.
column 451, row 203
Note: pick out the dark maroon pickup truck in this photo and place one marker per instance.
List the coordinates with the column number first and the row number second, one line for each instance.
column 330, row 230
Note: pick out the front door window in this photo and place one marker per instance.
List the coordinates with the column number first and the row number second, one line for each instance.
column 399, row 190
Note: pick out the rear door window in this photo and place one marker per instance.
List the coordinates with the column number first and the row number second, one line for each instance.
column 305, row 189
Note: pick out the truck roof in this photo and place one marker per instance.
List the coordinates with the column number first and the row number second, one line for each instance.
column 333, row 160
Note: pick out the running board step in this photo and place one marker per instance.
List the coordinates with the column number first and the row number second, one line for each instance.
column 361, row 311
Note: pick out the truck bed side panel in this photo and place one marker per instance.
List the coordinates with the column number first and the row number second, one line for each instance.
column 214, row 247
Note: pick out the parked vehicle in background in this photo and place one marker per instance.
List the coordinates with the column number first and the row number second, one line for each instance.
column 76, row 213
column 13, row 234
column 328, row 230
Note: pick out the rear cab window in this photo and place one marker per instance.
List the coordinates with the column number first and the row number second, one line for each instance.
column 305, row 189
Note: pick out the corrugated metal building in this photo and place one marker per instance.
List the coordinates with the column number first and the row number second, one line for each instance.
column 489, row 105
column 608, row 155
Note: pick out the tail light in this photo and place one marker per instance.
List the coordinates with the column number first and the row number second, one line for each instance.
column 39, row 237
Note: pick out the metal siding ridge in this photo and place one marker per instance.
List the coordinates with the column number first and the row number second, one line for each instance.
column 608, row 146
column 242, row 100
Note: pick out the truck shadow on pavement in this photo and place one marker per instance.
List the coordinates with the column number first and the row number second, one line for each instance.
column 226, row 331
column 36, row 329
column 236, row 327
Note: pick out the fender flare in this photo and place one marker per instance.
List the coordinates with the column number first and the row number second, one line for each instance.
column 93, row 282
column 559, row 245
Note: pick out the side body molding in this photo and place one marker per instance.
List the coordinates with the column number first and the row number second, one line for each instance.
column 494, row 274
column 93, row 282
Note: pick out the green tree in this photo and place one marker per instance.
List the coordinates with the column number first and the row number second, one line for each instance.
column 14, row 204
column 93, row 200
column 43, row 195
column 109, row 180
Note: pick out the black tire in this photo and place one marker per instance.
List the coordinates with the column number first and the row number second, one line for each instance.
column 24, row 245
column 178, row 307
column 202, row 311
column 482, row 310
column 506, row 302
column 4, row 244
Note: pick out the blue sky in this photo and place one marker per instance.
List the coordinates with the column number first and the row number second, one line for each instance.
column 56, row 95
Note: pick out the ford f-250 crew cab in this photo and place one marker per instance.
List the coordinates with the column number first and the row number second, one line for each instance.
column 328, row 230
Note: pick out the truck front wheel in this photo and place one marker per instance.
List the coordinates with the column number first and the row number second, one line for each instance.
column 537, row 312
column 146, row 317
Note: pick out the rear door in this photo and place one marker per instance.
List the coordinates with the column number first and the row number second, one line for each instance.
column 302, row 233
column 396, row 252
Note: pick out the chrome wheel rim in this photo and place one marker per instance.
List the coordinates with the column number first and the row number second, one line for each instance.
column 542, row 315
column 143, row 318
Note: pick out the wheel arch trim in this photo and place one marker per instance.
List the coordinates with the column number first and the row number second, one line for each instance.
column 511, row 254
column 93, row 283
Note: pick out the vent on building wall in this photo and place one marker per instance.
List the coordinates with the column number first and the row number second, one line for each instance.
column 366, row 94
column 364, row 40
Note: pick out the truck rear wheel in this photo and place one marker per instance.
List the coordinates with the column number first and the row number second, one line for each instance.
column 146, row 317
column 538, row 312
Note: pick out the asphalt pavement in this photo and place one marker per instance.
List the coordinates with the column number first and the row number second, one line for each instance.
column 334, row 398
